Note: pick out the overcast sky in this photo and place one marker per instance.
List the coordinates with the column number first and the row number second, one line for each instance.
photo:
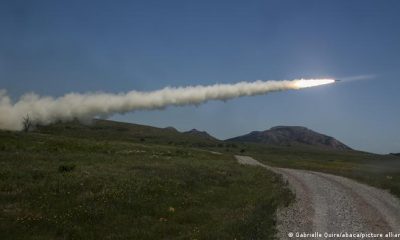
column 56, row 47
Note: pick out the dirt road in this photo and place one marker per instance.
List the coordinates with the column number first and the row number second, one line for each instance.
column 329, row 204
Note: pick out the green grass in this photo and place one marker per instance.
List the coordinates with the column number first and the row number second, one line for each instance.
column 112, row 180
column 70, row 187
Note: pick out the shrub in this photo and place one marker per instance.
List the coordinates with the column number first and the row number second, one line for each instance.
column 66, row 168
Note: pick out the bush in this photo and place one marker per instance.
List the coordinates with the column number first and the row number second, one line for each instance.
column 66, row 168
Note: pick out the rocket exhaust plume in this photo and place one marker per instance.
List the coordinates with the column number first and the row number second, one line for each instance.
column 46, row 110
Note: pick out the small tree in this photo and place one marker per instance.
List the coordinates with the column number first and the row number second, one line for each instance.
column 26, row 123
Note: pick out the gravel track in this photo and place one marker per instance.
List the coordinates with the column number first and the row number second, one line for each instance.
column 326, row 203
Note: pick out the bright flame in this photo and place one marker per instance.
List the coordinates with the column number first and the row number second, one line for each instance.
column 305, row 83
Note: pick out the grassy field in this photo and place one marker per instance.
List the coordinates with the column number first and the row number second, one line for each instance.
column 93, row 185
column 113, row 180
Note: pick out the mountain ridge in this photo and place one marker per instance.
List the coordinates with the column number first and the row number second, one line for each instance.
column 291, row 136
column 276, row 136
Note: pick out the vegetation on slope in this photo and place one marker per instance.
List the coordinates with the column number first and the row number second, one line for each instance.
column 88, row 186
column 117, row 131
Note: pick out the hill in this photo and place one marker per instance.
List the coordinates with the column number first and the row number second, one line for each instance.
column 200, row 134
column 112, row 130
column 291, row 136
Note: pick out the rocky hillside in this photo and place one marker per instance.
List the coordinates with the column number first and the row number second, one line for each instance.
column 291, row 136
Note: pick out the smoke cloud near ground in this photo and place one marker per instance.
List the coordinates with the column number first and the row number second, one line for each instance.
column 43, row 110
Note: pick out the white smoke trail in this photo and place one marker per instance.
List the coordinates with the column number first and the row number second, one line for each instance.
column 46, row 110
